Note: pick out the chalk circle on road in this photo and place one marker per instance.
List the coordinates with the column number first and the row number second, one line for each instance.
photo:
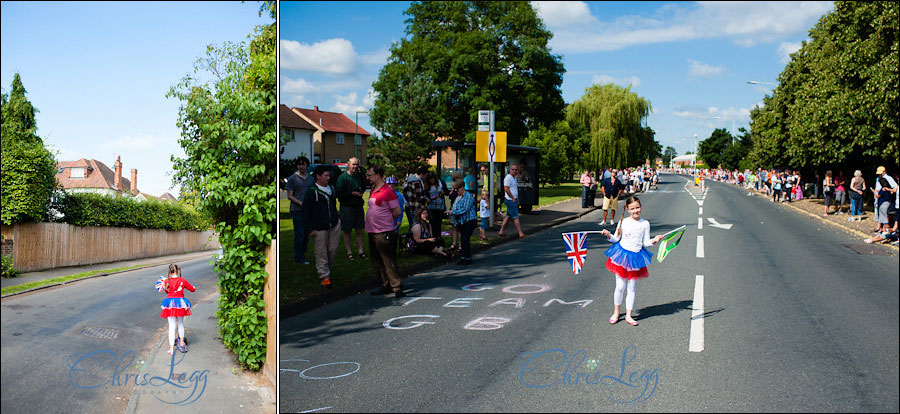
column 303, row 372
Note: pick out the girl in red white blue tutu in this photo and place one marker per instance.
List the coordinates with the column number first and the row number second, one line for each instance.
column 628, row 256
column 175, row 307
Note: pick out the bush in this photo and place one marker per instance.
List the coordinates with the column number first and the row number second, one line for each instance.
column 89, row 209
column 8, row 269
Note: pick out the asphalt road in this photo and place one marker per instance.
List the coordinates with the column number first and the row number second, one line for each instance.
column 792, row 320
column 45, row 332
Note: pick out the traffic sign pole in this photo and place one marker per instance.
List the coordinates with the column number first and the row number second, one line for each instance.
column 491, row 178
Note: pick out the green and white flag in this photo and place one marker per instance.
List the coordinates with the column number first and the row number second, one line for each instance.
column 669, row 242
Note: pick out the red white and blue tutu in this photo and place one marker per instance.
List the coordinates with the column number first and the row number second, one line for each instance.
column 627, row 264
column 175, row 307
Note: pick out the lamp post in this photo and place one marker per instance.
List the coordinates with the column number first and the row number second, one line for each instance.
column 732, row 127
column 356, row 135
column 696, row 149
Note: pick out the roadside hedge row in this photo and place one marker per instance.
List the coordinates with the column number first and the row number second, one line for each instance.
column 89, row 209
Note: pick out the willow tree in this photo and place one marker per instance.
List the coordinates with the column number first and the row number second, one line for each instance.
column 614, row 117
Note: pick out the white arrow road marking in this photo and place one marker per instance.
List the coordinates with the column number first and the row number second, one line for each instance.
column 700, row 246
column 699, row 223
column 696, row 341
column 714, row 223
column 699, row 202
column 701, row 211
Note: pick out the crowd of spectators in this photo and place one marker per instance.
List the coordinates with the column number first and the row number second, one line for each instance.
column 837, row 191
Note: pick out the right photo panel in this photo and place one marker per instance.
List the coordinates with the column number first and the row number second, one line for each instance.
column 588, row 206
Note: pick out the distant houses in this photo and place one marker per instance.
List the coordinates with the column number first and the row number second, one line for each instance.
column 92, row 176
column 322, row 136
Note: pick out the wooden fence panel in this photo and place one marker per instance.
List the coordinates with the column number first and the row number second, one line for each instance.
column 39, row 246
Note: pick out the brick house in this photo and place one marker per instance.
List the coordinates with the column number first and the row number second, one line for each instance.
column 92, row 176
column 337, row 138
column 297, row 134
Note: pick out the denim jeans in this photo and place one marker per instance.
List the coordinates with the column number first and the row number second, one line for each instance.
column 301, row 237
column 855, row 204
column 584, row 196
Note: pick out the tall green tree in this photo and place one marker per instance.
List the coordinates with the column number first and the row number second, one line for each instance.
column 614, row 117
column 837, row 99
column 668, row 154
column 461, row 57
column 229, row 136
column 28, row 168
column 710, row 150
column 560, row 151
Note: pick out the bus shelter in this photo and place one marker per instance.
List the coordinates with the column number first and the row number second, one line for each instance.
column 463, row 160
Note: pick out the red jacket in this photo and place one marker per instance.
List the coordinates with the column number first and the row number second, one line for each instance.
column 175, row 287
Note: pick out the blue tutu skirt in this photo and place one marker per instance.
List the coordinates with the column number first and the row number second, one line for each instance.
column 627, row 264
column 175, row 307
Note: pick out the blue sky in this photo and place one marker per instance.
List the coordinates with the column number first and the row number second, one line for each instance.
column 691, row 60
column 99, row 72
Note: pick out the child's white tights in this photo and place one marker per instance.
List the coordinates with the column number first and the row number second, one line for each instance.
column 173, row 321
column 621, row 284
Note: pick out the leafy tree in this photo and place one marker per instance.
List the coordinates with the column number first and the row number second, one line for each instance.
column 837, row 99
column 613, row 115
column 668, row 154
column 461, row 57
column 229, row 136
column 28, row 168
column 710, row 150
column 560, row 151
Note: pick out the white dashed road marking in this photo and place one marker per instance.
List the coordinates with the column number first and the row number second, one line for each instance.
column 696, row 341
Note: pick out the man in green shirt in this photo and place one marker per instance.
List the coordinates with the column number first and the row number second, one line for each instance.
column 350, row 188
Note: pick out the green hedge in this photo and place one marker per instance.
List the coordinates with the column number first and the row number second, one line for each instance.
column 89, row 209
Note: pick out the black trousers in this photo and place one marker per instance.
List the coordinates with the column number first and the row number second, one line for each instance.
column 466, row 230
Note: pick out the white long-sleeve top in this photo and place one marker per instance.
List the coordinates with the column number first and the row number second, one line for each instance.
column 635, row 234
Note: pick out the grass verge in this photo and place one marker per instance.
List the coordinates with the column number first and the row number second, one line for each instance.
column 38, row 283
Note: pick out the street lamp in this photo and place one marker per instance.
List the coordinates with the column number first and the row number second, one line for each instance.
column 356, row 135
column 732, row 127
column 696, row 149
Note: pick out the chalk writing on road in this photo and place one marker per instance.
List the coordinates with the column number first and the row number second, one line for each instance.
column 340, row 369
column 555, row 367
column 484, row 322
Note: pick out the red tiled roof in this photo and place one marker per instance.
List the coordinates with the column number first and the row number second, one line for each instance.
column 288, row 118
column 96, row 175
column 332, row 121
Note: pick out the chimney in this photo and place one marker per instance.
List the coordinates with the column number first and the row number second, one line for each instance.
column 316, row 108
column 134, row 189
column 118, row 176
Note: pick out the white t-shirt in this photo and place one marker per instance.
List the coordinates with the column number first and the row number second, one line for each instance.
column 484, row 211
column 635, row 234
column 326, row 189
column 513, row 185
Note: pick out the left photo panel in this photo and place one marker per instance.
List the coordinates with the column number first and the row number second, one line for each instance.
column 139, row 186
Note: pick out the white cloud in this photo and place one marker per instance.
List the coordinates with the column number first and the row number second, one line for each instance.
column 746, row 23
column 347, row 105
column 127, row 142
column 563, row 13
column 785, row 49
column 700, row 69
column 296, row 101
column 332, row 56
column 378, row 58
column 601, row 79
column 303, row 87
column 369, row 100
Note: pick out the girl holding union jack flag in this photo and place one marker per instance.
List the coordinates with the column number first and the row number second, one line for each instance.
column 628, row 256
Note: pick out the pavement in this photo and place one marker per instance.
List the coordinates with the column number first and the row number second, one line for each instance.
column 71, row 270
column 205, row 379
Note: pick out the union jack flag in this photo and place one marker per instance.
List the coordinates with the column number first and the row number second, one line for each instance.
column 161, row 285
column 575, row 251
